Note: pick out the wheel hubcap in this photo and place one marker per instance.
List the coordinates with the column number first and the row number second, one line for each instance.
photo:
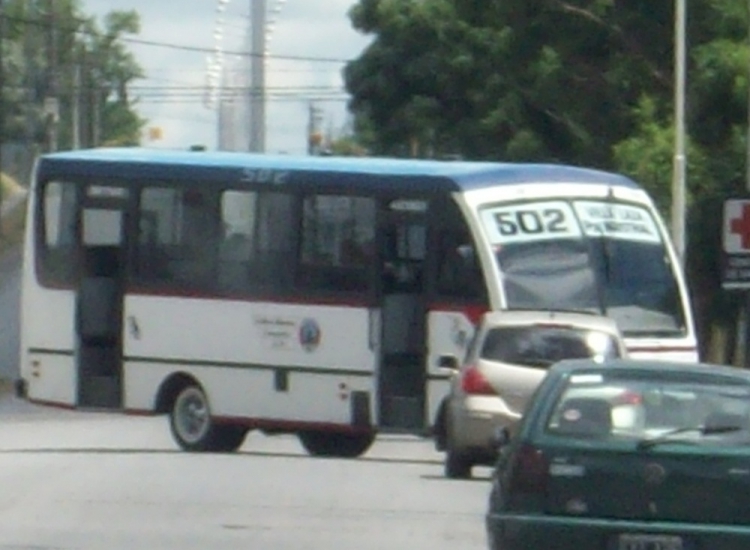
column 192, row 418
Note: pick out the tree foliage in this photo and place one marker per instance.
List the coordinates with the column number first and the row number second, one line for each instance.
column 587, row 82
column 52, row 51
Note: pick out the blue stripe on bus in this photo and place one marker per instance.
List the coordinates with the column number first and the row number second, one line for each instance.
column 353, row 172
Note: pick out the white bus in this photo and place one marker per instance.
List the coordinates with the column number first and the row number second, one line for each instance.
column 315, row 295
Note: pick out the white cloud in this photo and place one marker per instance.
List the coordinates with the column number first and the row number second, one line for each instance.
column 311, row 29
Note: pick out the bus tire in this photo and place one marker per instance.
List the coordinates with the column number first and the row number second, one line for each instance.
column 228, row 438
column 336, row 444
column 193, row 428
column 456, row 465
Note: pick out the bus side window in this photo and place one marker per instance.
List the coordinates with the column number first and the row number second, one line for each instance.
column 59, row 234
column 272, row 264
column 236, row 247
column 337, row 247
column 405, row 252
column 459, row 272
column 177, row 237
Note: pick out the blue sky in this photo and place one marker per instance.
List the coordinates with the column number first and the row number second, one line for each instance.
column 311, row 29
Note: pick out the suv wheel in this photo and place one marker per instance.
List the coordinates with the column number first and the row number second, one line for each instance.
column 457, row 466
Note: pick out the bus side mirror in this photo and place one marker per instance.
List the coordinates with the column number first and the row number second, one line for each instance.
column 448, row 362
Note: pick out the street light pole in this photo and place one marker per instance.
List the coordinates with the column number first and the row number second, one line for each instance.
column 258, row 13
column 747, row 158
column 745, row 315
column 2, row 111
column 679, row 163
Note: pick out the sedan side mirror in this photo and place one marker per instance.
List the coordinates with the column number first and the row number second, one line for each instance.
column 448, row 362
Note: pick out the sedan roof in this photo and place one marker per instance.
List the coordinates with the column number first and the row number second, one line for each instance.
column 572, row 366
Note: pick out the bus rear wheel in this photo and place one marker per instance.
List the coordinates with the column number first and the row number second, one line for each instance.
column 336, row 445
column 193, row 428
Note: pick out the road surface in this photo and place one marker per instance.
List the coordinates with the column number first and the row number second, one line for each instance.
column 73, row 480
column 10, row 295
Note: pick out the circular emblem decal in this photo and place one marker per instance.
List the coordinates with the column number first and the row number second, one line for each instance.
column 309, row 334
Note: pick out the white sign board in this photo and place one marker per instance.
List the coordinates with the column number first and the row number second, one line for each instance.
column 736, row 244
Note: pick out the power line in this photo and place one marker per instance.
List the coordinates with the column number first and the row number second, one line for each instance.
column 198, row 99
column 243, row 89
column 174, row 46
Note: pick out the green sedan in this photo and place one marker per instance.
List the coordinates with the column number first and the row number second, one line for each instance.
column 627, row 455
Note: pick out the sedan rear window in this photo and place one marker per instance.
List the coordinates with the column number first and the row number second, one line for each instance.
column 542, row 346
column 651, row 409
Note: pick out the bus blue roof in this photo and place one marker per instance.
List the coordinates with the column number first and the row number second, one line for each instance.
column 420, row 175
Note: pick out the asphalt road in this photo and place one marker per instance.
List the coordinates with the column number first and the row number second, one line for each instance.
column 10, row 296
column 73, row 480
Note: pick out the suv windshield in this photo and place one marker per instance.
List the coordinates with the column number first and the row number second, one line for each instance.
column 541, row 346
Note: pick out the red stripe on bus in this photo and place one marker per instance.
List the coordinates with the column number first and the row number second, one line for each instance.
column 473, row 312
column 306, row 301
column 46, row 403
column 141, row 412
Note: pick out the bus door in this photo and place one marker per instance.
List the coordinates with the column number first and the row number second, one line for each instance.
column 402, row 376
column 99, row 297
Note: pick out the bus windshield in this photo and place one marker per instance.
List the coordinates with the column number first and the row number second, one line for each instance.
column 599, row 256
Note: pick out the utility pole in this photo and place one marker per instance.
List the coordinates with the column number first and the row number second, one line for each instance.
column 314, row 135
column 258, row 76
column 745, row 317
column 2, row 109
column 76, row 107
column 52, row 101
column 679, row 164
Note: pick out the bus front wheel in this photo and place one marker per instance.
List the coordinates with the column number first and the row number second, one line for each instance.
column 336, row 445
column 193, row 428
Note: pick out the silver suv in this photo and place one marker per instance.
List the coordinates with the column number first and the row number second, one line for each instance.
column 508, row 357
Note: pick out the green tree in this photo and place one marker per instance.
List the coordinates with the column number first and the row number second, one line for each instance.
column 511, row 79
column 587, row 82
column 53, row 51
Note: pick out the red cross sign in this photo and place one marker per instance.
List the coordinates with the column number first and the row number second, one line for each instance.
column 737, row 226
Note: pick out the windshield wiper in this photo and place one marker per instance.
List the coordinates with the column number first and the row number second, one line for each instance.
column 666, row 437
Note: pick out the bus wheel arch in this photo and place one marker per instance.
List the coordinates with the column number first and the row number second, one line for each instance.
column 170, row 389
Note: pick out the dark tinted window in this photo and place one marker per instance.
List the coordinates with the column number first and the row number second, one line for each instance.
column 459, row 274
column 59, row 233
column 257, row 251
column 539, row 346
column 177, row 237
column 337, row 250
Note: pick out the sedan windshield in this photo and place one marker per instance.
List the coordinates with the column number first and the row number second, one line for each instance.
column 602, row 257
